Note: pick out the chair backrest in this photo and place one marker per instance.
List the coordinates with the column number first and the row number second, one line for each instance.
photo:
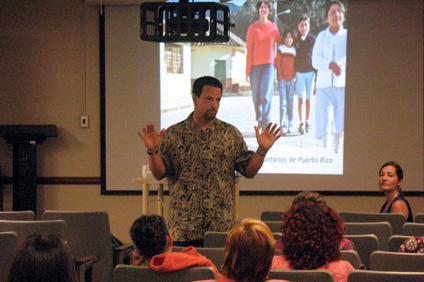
column 125, row 273
column 214, row 239
column 365, row 244
column 413, row 229
column 275, row 226
column 382, row 230
column 88, row 233
column 17, row 215
column 392, row 261
column 216, row 255
column 419, row 218
column 396, row 220
column 386, row 276
column 24, row 228
column 352, row 257
column 272, row 216
column 396, row 241
column 8, row 246
column 322, row 275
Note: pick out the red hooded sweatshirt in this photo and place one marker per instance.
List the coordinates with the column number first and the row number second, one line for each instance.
column 188, row 257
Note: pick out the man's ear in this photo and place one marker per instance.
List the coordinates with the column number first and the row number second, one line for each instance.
column 194, row 97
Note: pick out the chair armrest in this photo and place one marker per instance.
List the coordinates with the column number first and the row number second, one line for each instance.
column 123, row 254
column 84, row 267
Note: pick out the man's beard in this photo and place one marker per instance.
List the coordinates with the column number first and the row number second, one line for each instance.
column 208, row 116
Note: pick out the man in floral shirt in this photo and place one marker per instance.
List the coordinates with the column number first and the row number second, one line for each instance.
column 199, row 157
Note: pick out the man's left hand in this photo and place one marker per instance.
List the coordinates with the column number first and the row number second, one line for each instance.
column 268, row 137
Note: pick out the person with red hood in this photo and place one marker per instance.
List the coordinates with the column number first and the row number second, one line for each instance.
column 153, row 247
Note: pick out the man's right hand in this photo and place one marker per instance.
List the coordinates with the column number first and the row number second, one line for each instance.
column 150, row 138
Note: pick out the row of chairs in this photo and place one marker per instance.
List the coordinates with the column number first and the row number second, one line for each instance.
column 407, row 229
column 87, row 233
column 390, row 230
column 125, row 273
column 70, row 228
column 366, row 243
column 397, row 221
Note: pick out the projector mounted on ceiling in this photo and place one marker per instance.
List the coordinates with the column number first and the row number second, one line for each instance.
column 185, row 22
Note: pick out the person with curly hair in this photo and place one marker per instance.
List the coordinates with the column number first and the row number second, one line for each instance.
column 315, row 197
column 43, row 258
column 311, row 237
column 153, row 247
column 248, row 252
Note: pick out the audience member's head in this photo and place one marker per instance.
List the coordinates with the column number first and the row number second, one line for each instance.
column 248, row 251
column 43, row 258
column 311, row 235
column 150, row 236
column 395, row 171
column 308, row 196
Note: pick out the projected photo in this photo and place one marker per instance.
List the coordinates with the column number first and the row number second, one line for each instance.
column 285, row 63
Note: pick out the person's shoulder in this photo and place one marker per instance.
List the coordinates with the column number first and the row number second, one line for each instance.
column 399, row 203
column 224, row 125
column 280, row 262
column 311, row 36
column 341, row 265
column 177, row 126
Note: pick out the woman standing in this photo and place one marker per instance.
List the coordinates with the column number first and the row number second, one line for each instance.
column 260, row 69
column 329, row 58
column 391, row 177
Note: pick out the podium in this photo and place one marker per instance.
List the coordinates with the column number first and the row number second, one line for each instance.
column 25, row 139
column 147, row 182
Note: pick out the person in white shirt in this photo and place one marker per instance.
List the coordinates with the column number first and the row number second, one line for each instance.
column 329, row 58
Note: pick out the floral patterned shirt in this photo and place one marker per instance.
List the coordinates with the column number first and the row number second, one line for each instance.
column 413, row 245
column 200, row 169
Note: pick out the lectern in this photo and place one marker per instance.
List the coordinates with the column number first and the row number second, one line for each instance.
column 25, row 139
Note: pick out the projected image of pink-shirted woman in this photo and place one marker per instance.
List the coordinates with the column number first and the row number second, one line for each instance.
column 260, row 69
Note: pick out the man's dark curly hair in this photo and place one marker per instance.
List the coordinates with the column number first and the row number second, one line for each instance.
column 149, row 233
column 312, row 233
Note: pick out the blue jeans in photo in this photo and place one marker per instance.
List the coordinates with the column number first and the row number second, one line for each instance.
column 286, row 89
column 262, row 79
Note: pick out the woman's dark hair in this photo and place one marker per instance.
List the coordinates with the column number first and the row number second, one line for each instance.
column 304, row 17
column 286, row 32
column 399, row 171
column 327, row 9
column 43, row 258
column 268, row 3
column 149, row 234
column 203, row 81
column 311, row 235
